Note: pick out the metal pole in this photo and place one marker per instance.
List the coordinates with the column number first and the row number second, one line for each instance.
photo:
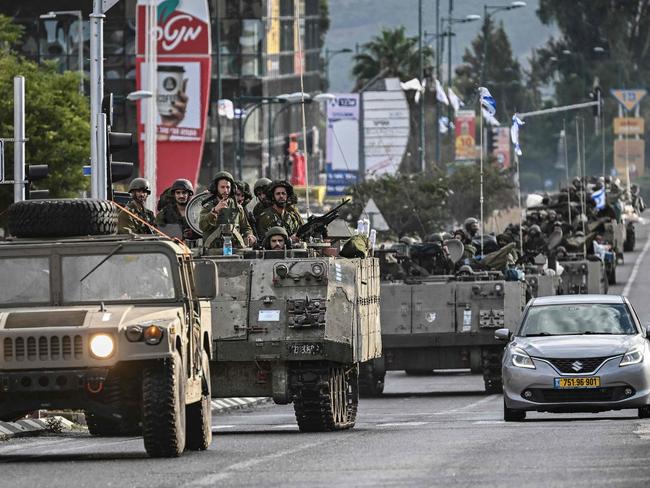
column 451, row 11
column 269, row 121
column 521, row 232
column 19, row 138
column 437, row 112
column 566, row 167
column 219, row 86
column 362, row 150
column 96, row 90
column 80, row 48
column 421, row 77
column 481, row 182
column 486, row 19
column 150, row 135
column 102, row 193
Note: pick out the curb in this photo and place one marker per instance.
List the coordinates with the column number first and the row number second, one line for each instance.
column 223, row 405
column 33, row 426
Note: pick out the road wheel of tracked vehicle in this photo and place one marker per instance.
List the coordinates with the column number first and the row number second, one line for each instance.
column 61, row 218
column 512, row 415
column 325, row 398
column 630, row 239
column 163, row 408
column 199, row 414
column 371, row 380
column 492, row 370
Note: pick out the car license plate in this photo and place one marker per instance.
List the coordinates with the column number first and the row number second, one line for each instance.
column 585, row 382
column 305, row 349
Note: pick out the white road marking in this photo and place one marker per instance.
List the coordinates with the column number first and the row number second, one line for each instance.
column 222, row 427
column 643, row 431
column 635, row 269
column 285, row 426
column 490, row 422
column 402, row 424
column 471, row 405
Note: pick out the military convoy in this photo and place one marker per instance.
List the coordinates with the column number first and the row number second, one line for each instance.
column 116, row 325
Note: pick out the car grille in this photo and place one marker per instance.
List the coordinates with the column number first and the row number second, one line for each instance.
column 567, row 365
column 42, row 348
column 610, row 394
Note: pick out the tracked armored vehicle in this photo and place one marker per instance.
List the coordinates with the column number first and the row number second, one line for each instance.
column 116, row 325
column 583, row 275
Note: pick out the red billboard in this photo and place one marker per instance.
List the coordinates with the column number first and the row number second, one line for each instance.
column 182, row 86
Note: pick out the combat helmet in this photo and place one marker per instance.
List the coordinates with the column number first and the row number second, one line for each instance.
column 182, row 184
column 222, row 175
column 139, row 184
column 435, row 237
column 469, row 223
column 245, row 188
column 260, row 186
column 291, row 196
column 276, row 231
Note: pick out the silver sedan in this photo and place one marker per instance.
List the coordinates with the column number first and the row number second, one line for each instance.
column 576, row 353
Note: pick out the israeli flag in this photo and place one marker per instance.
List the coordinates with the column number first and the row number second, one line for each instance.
column 514, row 133
column 599, row 198
column 487, row 101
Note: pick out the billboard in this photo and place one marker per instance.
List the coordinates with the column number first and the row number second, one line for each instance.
column 465, row 135
column 501, row 149
column 632, row 152
column 182, row 85
column 342, row 150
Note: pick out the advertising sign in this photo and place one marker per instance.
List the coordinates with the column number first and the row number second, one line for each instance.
column 501, row 149
column 632, row 152
column 465, row 135
column 342, row 153
column 629, row 126
column 182, row 84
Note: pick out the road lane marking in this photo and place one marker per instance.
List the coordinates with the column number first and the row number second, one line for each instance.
column 222, row 427
column 285, row 426
column 471, row 405
column 402, row 424
column 635, row 269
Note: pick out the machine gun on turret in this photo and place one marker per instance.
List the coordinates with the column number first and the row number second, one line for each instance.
column 317, row 226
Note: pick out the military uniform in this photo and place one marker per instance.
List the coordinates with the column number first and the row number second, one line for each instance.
column 290, row 220
column 170, row 215
column 126, row 224
column 233, row 215
column 259, row 208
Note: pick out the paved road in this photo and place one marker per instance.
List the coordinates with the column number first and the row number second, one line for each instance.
column 437, row 430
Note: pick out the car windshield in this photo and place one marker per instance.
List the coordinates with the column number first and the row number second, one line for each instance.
column 24, row 280
column 120, row 277
column 573, row 319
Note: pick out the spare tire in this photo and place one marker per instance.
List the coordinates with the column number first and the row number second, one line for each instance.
column 62, row 218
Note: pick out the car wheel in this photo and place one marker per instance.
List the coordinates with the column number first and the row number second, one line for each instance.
column 513, row 415
column 644, row 412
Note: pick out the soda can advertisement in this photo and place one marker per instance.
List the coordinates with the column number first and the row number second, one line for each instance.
column 465, row 135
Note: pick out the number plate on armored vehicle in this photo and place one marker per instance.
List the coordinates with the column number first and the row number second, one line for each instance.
column 305, row 349
column 588, row 382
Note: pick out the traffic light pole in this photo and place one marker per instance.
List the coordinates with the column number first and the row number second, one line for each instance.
column 19, row 138
column 102, row 190
column 97, row 158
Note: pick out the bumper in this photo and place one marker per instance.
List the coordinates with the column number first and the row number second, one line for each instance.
column 620, row 388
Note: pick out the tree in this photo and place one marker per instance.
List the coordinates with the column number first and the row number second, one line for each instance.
column 56, row 120
column 396, row 55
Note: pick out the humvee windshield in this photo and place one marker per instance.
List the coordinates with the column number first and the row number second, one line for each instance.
column 24, row 280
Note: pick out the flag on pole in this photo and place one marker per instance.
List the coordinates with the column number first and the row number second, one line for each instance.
column 440, row 93
column 489, row 118
column 414, row 84
column 444, row 125
column 454, row 99
column 599, row 198
column 514, row 133
column 487, row 101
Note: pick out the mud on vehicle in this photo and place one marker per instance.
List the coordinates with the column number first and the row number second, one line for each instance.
column 115, row 325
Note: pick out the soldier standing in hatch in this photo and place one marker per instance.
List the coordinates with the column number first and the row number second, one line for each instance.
column 174, row 212
column 226, row 216
column 259, row 190
column 276, row 239
column 126, row 223
column 280, row 213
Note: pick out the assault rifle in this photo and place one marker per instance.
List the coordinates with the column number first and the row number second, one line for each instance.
column 317, row 226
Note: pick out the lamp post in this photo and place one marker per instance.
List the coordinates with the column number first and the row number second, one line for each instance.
column 329, row 54
column 52, row 15
column 488, row 11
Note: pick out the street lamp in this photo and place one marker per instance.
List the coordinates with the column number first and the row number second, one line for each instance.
column 329, row 54
column 80, row 41
column 488, row 11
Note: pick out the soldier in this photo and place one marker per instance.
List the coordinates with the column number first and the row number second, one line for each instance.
column 276, row 239
column 145, row 223
column 244, row 196
column 280, row 213
column 259, row 189
column 226, row 216
column 471, row 227
column 174, row 212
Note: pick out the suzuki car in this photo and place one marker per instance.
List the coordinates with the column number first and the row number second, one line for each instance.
column 576, row 353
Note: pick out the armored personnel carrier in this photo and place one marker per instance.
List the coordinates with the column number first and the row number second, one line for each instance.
column 294, row 325
column 583, row 275
column 116, row 325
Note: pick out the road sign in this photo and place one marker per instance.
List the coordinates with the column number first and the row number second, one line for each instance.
column 377, row 220
column 629, row 99
column 629, row 126
column 630, row 151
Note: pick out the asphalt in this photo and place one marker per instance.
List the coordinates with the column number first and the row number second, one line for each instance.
column 436, row 430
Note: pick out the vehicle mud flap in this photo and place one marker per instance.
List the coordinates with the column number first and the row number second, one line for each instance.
column 372, row 375
column 492, row 369
column 325, row 396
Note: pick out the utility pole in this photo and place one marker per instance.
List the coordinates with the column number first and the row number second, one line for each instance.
column 451, row 11
column 438, row 49
column 19, row 138
column 96, row 94
column 219, row 85
column 421, row 76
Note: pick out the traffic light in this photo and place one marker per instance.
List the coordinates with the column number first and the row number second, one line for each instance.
column 115, row 141
column 35, row 172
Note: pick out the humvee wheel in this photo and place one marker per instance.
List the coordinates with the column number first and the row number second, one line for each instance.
column 371, row 382
column 163, row 408
column 326, row 398
column 198, row 415
column 492, row 370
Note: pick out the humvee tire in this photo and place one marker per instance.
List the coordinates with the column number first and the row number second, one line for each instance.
column 198, row 415
column 163, row 408
column 325, row 397
column 62, row 218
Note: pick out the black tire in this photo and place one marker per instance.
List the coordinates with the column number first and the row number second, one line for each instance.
column 611, row 274
column 492, row 370
column 163, row 408
column 630, row 240
column 326, row 398
column 198, row 415
column 513, row 415
column 644, row 412
column 371, row 380
column 62, row 218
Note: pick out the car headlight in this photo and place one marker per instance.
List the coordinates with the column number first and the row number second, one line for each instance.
column 633, row 356
column 102, row 346
column 521, row 359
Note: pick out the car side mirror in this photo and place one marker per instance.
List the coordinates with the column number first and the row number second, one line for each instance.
column 206, row 283
column 502, row 334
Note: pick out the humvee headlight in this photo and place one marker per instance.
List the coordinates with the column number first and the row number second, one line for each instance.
column 134, row 333
column 153, row 334
column 102, row 346
column 317, row 270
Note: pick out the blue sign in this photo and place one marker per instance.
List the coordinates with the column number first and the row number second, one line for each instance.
column 338, row 180
column 87, row 171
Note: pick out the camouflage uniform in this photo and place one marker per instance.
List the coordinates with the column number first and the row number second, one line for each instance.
column 232, row 215
column 170, row 215
column 290, row 220
column 126, row 224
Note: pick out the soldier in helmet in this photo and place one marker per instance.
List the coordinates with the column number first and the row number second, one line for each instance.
column 225, row 216
column 174, row 212
column 145, row 221
column 259, row 190
column 280, row 213
column 244, row 196
column 471, row 227
column 276, row 239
